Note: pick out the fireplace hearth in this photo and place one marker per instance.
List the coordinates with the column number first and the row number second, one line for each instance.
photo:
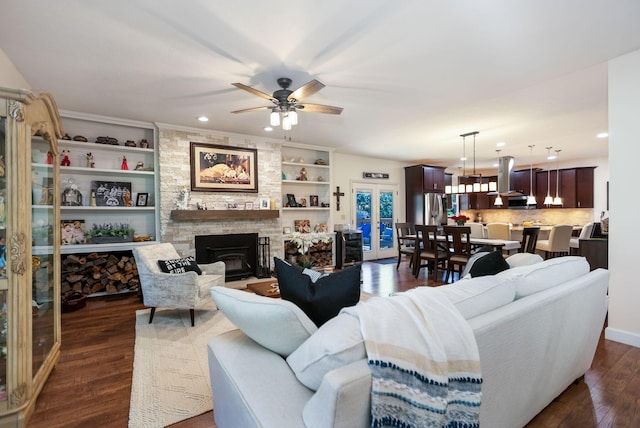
column 238, row 251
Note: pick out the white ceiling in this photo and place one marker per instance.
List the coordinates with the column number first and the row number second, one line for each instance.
column 411, row 75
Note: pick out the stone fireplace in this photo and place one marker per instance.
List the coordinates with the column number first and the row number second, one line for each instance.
column 238, row 251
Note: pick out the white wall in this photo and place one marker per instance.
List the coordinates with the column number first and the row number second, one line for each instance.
column 349, row 168
column 10, row 77
column 624, row 149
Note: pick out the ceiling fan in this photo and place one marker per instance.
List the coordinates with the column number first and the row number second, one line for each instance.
column 287, row 102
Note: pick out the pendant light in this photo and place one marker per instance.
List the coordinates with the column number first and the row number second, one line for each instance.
column 498, row 201
column 548, row 200
column 557, row 200
column 531, row 200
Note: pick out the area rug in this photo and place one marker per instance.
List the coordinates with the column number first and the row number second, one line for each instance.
column 386, row 261
column 170, row 367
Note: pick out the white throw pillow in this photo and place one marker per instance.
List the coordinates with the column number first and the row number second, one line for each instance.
column 276, row 324
column 549, row 273
column 476, row 296
column 338, row 342
column 523, row 259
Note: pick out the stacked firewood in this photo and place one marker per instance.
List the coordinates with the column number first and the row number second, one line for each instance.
column 98, row 272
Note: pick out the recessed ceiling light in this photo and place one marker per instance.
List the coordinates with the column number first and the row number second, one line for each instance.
column 603, row 135
column 500, row 144
column 268, row 128
column 203, row 119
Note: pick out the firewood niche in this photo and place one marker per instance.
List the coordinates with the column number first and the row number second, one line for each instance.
column 93, row 273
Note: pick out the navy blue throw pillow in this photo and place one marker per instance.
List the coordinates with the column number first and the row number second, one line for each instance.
column 489, row 264
column 323, row 299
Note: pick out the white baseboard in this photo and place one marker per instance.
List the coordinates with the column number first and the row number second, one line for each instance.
column 622, row 336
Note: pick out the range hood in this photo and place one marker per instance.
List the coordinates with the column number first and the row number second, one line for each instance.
column 505, row 177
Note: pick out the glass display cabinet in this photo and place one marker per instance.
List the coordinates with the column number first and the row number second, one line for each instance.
column 29, row 250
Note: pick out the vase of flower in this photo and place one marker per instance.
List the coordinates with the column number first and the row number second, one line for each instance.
column 460, row 219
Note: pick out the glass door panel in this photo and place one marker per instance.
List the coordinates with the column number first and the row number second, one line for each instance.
column 375, row 208
column 42, row 226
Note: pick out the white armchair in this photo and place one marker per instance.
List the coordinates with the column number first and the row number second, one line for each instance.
column 174, row 290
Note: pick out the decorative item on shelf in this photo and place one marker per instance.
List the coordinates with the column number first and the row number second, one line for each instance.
column 303, row 202
column 264, row 203
column 1, row 165
column 80, row 138
column 232, row 205
column 90, row 162
column 72, row 232
column 110, row 233
column 71, row 196
column 93, row 198
column 291, row 200
column 112, row 193
column 46, row 197
column 313, row 200
column 320, row 228
column 301, row 160
column 107, row 140
column 320, row 178
column 320, row 162
column 124, row 165
column 49, row 160
column 460, row 219
column 42, row 234
column 302, row 226
column 144, row 144
column 248, row 205
column 272, row 204
column 139, row 166
column 324, row 204
column 284, row 176
column 130, row 143
column 183, row 198
column 200, row 206
column 141, row 200
column 66, row 136
column 303, row 175
column 65, row 158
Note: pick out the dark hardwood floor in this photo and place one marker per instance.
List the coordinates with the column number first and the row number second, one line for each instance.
column 91, row 385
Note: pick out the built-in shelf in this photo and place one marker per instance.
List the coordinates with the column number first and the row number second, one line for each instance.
column 209, row 215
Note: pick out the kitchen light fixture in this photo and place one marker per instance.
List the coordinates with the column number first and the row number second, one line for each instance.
column 477, row 185
column 531, row 200
column 548, row 200
column 557, row 200
column 498, row 201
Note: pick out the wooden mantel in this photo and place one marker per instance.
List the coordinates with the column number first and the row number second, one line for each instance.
column 211, row 215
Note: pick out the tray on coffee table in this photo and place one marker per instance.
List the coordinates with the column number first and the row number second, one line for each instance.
column 268, row 288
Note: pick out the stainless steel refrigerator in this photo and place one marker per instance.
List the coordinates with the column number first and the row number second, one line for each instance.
column 435, row 209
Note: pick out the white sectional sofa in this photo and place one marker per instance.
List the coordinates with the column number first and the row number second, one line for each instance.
column 536, row 328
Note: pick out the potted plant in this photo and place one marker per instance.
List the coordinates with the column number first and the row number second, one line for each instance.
column 109, row 233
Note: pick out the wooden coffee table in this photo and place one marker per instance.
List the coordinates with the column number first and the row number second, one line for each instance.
column 266, row 287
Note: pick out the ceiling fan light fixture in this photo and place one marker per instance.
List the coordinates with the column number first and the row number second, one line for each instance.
column 275, row 118
column 293, row 116
column 286, row 123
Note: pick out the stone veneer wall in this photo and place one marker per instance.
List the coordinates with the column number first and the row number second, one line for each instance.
column 174, row 169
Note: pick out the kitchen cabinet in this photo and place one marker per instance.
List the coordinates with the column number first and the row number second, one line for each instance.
column 479, row 200
column 575, row 187
column 421, row 179
column 521, row 181
column 29, row 250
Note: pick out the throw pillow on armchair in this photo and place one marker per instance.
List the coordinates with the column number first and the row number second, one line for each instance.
column 320, row 300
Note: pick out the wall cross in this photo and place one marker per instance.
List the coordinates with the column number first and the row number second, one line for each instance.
column 337, row 194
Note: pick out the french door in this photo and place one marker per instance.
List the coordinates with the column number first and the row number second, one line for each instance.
column 375, row 210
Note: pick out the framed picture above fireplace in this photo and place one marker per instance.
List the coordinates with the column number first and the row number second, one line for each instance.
column 218, row 168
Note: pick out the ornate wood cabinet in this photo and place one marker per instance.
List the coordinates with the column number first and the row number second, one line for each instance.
column 29, row 250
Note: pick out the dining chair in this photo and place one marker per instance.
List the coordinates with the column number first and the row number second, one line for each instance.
column 429, row 250
column 529, row 240
column 499, row 231
column 406, row 237
column 458, row 239
column 585, row 233
column 477, row 229
column 558, row 242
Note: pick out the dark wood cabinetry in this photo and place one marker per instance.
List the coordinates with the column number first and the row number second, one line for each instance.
column 596, row 251
column 479, row 200
column 522, row 181
column 421, row 179
column 575, row 187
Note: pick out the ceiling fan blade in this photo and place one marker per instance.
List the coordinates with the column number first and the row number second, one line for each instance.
column 255, row 92
column 319, row 108
column 252, row 109
column 306, row 90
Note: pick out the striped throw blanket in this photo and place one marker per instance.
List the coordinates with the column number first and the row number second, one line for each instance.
column 423, row 359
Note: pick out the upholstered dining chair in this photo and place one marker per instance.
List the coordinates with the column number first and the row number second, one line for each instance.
column 459, row 240
column 529, row 240
column 558, row 242
column 186, row 290
column 477, row 229
column 499, row 231
column 430, row 250
column 574, row 243
column 405, row 235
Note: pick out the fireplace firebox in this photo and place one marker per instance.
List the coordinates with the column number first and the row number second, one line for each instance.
column 238, row 251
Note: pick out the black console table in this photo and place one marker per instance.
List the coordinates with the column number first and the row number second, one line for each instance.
column 348, row 248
